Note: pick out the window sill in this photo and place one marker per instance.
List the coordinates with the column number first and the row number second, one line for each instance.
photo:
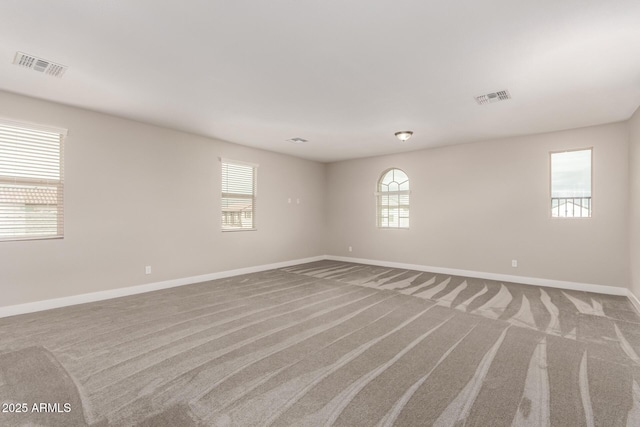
column 24, row 239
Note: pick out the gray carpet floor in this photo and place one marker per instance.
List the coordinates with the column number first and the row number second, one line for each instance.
column 327, row 343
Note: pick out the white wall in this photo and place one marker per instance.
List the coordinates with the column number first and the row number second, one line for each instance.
column 634, row 200
column 478, row 206
column 139, row 195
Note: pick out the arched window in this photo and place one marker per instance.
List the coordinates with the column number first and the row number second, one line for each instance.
column 393, row 199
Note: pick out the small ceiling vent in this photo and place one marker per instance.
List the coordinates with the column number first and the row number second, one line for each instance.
column 39, row 64
column 490, row 98
column 297, row 140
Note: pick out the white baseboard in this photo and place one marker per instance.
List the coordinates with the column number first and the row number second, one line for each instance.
column 31, row 307
column 575, row 286
column 634, row 300
column 149, row 287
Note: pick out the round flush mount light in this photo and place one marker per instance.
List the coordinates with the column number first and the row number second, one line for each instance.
column 404, row 135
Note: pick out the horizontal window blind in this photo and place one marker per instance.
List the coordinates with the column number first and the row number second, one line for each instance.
column 238, row 196
column 31, row 182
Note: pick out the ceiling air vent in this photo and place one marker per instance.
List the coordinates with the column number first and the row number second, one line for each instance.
column 490, row 98
column 39, row 64
column 297, row 140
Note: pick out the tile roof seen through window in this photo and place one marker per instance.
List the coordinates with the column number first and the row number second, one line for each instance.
column 28, row 195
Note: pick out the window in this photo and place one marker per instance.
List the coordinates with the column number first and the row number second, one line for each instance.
column 571, row 183
column 393, row 199
column 31, row 182
column 238, row 195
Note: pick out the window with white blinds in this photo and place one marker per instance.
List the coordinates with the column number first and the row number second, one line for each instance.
column 393, row 199
column 31, row 182
column 238, row 195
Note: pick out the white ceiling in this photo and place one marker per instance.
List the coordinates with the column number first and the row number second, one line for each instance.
column 343, row 74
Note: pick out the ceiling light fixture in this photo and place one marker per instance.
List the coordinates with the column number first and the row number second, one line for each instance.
column 404, row 135
column 297, row 140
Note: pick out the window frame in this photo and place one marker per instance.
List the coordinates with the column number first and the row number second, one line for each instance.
column 378, row 194
column 253, row 197
column 550, row 199
column 23, row 181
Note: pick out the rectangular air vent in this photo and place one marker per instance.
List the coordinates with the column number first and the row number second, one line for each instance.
column 39, row 64
column 490, row 98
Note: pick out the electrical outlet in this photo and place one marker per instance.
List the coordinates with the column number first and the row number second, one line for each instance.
column 514, row 263
column 147, row 269
column 350, row 249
